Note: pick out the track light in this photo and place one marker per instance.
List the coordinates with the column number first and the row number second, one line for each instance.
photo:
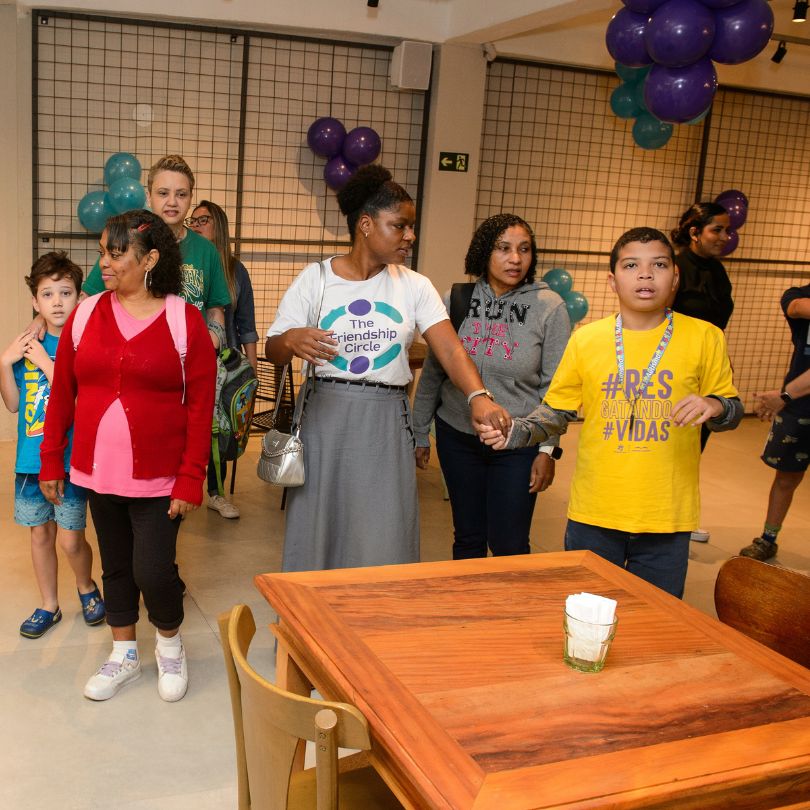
column 781, row 50
column 800, row 11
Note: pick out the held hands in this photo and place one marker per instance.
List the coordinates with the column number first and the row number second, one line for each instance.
column 422, row 456
column 491, row 437
column 694, row 410
column 53, row 491
column 179, row 508
column 541, row 476
column 488, row 415
column 314, row 345
column 767, row 405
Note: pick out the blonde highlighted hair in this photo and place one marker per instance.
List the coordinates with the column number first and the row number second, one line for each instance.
column 170, row 163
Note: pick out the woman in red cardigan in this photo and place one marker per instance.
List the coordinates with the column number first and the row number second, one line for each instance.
column 142, row 432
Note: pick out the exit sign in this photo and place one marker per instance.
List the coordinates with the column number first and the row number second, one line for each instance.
column 453, row 161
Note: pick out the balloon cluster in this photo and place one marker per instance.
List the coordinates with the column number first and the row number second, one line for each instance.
column 345, row 151
column 677, row 42
column 575, row 302
column 122, row 175
column 736, row 203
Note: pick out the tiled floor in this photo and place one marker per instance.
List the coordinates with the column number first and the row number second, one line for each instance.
column 137, row 753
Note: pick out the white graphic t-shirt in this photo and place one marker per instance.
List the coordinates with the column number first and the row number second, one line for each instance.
column 373, row 321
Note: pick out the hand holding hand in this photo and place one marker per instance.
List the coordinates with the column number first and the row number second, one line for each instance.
column 694, row 410
column 541, row 476
column 53, row 491
column 422, row 455
column 313, row 345
column 491, row 437
column 180, row 508
column 486, row 412
column 767, row 405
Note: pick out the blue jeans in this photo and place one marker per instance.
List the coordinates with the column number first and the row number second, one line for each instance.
column 489, row 494
column 658, row 558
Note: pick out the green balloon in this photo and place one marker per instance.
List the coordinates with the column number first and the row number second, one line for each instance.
column 577, row 305
column 632, row 75
column 623, row 101
column 559, row 280
column 650, row 133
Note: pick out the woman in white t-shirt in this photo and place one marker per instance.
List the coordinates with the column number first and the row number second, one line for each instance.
column 358, row 506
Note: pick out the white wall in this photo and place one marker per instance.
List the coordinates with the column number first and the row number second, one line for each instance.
column 15, row 190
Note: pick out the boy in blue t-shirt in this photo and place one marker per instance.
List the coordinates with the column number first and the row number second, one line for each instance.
column 26, row 371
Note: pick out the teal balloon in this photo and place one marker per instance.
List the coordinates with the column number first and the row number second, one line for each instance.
column 120, row 165
column 93, row 211
column 126, row 194
column 623, row 101
column 577, row 305
column 700, row 117
column 632, row 75
column 638, row 97
column 559, row 280
column 650, row 133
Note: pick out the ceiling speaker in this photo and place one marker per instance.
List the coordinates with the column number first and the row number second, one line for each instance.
column 410, row 65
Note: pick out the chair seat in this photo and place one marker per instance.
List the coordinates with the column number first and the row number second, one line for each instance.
column 360, row 789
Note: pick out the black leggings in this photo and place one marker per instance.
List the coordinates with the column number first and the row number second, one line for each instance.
column 137, row 541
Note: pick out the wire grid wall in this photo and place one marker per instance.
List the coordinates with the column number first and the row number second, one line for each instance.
column 108, row 85
column 553, row 152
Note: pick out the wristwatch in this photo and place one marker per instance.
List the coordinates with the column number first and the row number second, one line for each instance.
column 549, row 450
column 785, row 397
column 479, row 392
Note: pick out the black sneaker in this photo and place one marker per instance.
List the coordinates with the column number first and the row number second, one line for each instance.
column 760, row 549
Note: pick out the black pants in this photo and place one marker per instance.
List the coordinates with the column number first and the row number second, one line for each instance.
column 137, row 541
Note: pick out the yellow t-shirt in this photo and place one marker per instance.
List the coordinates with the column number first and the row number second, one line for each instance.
column 647, row 481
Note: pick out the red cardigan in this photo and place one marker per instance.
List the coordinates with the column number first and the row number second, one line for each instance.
column 169, row 437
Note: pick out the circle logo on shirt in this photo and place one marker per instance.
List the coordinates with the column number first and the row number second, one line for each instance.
column 361, row 337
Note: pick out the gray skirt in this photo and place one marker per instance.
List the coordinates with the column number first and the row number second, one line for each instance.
column 358, row 506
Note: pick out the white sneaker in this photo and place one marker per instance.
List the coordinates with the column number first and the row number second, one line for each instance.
column 172, row 675
column 223, row 506
column 700, row 536
column 114, row 673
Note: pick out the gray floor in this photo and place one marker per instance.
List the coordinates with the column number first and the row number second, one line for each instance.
column 138, row 753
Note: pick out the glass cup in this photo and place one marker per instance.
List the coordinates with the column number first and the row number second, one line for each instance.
column 587, row 643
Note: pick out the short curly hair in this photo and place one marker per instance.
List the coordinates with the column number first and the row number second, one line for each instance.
column 370, row 189
column 54, row 265
column 483, row 242
column 146, row 231
column 642, row 235
column 169, row 163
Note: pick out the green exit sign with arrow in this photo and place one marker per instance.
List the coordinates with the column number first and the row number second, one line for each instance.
column 453, row 161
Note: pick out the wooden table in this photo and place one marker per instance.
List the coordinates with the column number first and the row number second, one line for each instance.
column 458, row 668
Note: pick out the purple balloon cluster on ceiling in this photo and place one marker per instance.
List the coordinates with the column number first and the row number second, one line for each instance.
column 679, row 41
column 345, row 151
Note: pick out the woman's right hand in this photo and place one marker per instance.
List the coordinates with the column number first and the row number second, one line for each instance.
column 422, row 455
column 313, row 345
column 53, row 491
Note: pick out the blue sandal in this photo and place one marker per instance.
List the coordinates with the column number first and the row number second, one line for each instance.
column 39, row 622
column 93, row 606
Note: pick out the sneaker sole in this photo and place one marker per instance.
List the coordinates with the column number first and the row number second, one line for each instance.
column 173, row 699
column 40, row 635
column 96, row 621
column 117, row 689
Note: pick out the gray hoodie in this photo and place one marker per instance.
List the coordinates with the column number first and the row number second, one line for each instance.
column 516, row 342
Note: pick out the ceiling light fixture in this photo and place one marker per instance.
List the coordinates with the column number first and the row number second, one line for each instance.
column 800, row 11
column 781, row 50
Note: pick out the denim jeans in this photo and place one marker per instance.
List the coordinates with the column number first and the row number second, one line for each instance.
column 489, row 494
column 658, row 558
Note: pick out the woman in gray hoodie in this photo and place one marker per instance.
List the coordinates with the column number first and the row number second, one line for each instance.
column 515, row 330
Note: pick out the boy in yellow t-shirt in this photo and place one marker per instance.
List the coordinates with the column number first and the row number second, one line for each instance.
column 645, row 380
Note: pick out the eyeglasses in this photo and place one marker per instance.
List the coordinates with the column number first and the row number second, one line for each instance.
column 203, row 220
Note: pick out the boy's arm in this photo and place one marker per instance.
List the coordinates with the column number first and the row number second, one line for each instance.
column 541, row 424
column 730, row 417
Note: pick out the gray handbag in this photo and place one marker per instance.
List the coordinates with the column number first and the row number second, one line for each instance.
column 282, row 458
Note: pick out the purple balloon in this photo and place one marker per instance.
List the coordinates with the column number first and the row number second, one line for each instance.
column 680, row 94
column 645, row 7
column 679, row 32
column 337, row 172
column 625, row 38
column 731, row 245
column 736, row 206
column 734, row 192
column 719, row 3
column 325, row 137
column 742, row 31
column 362, row 145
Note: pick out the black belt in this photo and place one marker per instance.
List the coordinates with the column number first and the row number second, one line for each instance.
column 362, row 383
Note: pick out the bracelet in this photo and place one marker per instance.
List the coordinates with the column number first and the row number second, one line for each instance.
column 477, row 393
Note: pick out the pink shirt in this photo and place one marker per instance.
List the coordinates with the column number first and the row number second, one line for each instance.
column 112, row 460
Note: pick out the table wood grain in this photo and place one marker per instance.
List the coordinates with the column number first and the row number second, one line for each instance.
column 458, row 668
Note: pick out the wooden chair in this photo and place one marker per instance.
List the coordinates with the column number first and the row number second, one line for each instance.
column 768, row 603
column 268, row 724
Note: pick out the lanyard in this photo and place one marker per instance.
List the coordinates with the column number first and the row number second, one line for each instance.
column 651, row 367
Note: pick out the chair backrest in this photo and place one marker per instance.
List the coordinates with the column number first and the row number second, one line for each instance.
column 269, row 722
column 768, row 603
column 269, row 375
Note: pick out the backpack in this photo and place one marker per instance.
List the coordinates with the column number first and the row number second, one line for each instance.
column 233, row 408
column 460, row 297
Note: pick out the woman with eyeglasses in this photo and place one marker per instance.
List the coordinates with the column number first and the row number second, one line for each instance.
column 169, row 187
column 211, row 222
